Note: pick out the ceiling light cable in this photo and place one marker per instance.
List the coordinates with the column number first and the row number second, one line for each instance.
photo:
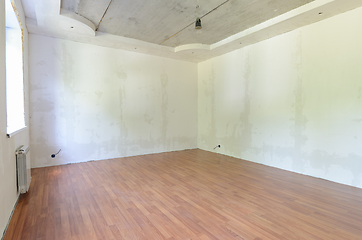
column 194, row 22
column 103, row 15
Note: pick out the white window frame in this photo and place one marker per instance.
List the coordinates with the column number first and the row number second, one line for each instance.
column 15, row 96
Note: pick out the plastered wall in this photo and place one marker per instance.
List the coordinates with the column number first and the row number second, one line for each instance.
column 8, row 188
column 98, row 103
column 293, row 101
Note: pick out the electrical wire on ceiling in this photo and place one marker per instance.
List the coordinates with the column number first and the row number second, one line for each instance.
column 103, row 15
column 194, row 22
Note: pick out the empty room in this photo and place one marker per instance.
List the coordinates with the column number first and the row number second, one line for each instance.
column 194, row 119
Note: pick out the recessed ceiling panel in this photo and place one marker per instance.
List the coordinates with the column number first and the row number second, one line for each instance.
column 166, row 27
column 152, row 21
column 231, row 18
column 171, row 22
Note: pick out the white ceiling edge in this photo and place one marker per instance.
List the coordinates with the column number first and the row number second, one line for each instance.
column 274, row 21
column 84, row 26
column 76, row 28
column 192, row 46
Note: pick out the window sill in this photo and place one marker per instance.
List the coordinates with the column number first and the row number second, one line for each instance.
column 9, row 135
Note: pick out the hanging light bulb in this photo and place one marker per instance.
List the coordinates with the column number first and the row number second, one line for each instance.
column 198, row 20
column 198, row 23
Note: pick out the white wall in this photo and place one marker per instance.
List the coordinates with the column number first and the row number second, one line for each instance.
column 8, row 188
column 99, row 103
column 293, row 101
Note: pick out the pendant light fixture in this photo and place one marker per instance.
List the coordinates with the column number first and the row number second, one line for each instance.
column 198, row 20
column 198, row 23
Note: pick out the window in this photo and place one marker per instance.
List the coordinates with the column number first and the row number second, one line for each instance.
column 14, row 72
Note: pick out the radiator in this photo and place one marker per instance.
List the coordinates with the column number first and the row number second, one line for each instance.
column 22, row 168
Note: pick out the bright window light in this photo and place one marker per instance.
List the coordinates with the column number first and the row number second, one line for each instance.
column 14, row 72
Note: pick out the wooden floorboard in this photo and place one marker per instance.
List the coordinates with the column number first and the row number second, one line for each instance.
column 191, row 194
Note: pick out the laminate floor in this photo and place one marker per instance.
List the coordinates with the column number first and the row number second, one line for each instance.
column 191, row 194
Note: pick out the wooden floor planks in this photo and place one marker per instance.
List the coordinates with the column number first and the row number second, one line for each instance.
column 191, row 194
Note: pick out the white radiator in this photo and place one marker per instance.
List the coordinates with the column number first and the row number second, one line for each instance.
column 23, row 171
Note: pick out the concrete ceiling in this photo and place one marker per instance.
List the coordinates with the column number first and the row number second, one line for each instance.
column 167, row 27
column 171, row 23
